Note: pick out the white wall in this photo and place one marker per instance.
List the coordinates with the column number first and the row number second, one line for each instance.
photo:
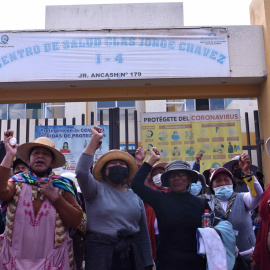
column 112, row 16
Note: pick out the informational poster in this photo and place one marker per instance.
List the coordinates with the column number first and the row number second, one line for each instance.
column 71, row 141
column 113, row 55
column 181, row 135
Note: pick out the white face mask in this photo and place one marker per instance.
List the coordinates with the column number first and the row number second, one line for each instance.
column 157, row 180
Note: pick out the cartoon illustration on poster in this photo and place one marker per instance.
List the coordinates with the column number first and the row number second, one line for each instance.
column 181, row 135
column 71, row 141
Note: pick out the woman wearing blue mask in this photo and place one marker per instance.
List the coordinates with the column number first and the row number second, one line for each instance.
column 200, row 188
column 117, row 236
column 237, row 206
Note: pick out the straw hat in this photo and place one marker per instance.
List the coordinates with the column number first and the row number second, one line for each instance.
column 228, row 165
column 175, row 166
column 112, row 155
column 24, row 150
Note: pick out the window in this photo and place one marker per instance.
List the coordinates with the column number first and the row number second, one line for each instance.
column 180, row 105
column 33, row 110
column 13, row 111
column 106, row 105
column 53, row 110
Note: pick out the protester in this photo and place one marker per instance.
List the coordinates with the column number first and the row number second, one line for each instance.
column 19, row 166
column 237, row 206
column 197, row 165
column 77, row 235
column 178, row 213
column 233, row 167
column 199, row 188
column 262, row 247
column 117, row 236
column 38, row 207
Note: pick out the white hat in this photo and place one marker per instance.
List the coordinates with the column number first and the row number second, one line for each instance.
column 229, row 165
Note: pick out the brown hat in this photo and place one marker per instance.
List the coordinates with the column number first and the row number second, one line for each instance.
column 112, row 155
column 25, row 149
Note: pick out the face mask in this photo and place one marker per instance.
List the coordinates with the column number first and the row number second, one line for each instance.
column 224, row 192
column 238, row 173
column 157, row 180
column 195, row 188
column 117, row 174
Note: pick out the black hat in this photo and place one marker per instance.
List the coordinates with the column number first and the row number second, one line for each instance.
column 18, row 161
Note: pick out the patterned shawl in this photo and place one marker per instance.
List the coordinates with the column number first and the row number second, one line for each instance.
column 31, row 179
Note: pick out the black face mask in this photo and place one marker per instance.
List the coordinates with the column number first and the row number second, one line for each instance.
column 117, row 174
column 42, row 174
column 238, row 173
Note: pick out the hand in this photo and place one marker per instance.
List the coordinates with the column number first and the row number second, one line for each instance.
column 97, row 132
column 257, row 220
column 199, row 157
column 47, row 189
column 10, row 150
column 244, row 163
column 154, row 156
column 140, row 155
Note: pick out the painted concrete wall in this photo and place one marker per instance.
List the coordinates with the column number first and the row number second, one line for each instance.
column 113, row 16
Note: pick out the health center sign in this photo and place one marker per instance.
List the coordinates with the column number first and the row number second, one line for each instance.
column 106, row 55
column 181, row 135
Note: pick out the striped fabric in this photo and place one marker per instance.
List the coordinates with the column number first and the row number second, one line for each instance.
column 31, row 179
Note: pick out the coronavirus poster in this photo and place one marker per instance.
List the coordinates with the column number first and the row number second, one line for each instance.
column 181, row 135
column 71, row 141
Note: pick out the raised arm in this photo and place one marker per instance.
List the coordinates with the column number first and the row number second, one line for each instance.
column 146, row 193
column 7, row 189
column 251, row 202
column 85, row 178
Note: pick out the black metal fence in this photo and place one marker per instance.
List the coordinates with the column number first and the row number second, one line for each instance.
column 114, row 127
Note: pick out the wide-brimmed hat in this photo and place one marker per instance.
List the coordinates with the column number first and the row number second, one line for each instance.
column 267, row 146
column 228, row 165
column 25, row 149
column 215, row 173
column 112, row 155
column 158, row 165
column 177, row 165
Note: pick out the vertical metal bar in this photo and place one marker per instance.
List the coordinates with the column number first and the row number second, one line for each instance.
column 27, row 129
column 55, row 121
column 116, row 138
column 46, row 121
column 73, row 121
column 257, row 134
column 83, row 119
column 126, row 129
column 92, row 118
column 101, row 117
column 36, row 122
column 136, row 129
column 0, row 128
column 8, row 124
column 248, row 135
column 111, row 128
column 64, row 121
column 18, row 130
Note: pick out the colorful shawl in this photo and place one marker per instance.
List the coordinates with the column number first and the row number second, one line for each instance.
column 31, row 179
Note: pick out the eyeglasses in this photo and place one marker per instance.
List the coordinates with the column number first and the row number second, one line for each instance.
column 177, row 174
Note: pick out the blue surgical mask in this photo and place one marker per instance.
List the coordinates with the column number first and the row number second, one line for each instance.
column 224, row 193
column 195, row 188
